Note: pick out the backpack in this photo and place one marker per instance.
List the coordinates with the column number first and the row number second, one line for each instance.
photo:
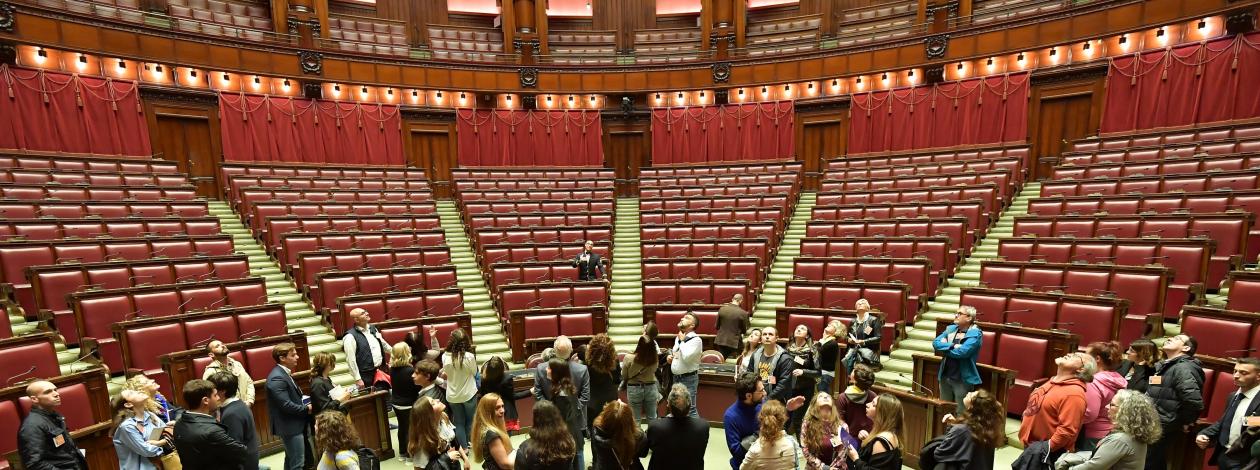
column 368, row 459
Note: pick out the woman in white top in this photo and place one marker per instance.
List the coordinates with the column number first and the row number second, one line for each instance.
column 431, row 434
column 774, row 449
column 459, row 366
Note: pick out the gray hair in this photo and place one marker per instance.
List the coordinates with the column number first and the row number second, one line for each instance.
column 1134, row 414
column 679, row 401
column 967, row 310
column 1089, row 367
column 563, row 347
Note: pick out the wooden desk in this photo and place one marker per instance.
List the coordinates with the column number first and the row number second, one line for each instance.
column 369, row 412
column 922, row 420
column 997, row 380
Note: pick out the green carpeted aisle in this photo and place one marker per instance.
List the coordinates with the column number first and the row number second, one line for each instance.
column 774, row 294
column 625, row 312
column 487, row 327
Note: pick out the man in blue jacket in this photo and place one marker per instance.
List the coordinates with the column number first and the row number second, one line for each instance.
column 959, row 345
column 284, row 406
column 740, row 419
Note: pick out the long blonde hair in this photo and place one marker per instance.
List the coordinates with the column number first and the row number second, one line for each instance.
column 400, row 355
column 135, row 384
column 888, row 418
column 485, row 420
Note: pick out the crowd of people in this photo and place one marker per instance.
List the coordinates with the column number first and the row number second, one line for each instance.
column 1103, row 408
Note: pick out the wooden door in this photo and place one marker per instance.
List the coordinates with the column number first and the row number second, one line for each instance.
column 627, row 152
column 432, row 151
column 186, row 140
column 821, row 140
column 1061, row 121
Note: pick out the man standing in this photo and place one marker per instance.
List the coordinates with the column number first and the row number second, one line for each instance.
column 202, row 442
column 740, row 419
column 866, row 335
column 236, row 417
column 960, row 345
column 1241, row 411
column 588, row 263
column 284, row 406
column 679, row 439
column 1055, row 410
column 43, row 441
column 684, row 358
column 772, row 366
column 732, row 323
column 220, row 362
column 563, row 348
column 1176, row 387
column 365, row 348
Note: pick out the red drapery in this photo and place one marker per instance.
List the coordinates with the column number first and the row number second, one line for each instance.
column 698, row 134
column 50, row 111
column 976, row 111
column 282, row 129
column 530, row 138
column 1176, row 86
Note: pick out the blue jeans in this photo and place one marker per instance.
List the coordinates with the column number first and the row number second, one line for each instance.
column 691, row 381
column 579, row 462
column 462, row 417
column 643, row 399
column 824, row 383
column 294, row 451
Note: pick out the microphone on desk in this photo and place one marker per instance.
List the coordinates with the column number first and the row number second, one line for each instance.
column 916, row 383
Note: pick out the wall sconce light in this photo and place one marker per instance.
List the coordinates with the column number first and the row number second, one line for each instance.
column 1085, row 47
column 741, row 92
column 389, row 91
column 82, row 59
column 415, row 94
column 1159, row 33
column 658, row 97
column 680, row 95
column 960, row 66
column 462, row 95
column 1202, row 25
column 990, row 61
column 226, row 77
column 439, row 95
column 509, row 98
column 1020, row 57
column 363, row 90
column 1124, row 39
column 548, row 98
column 122, row 64
column 859, row 80
column 192, row 73
column 764, row 90
column 787, row 87
column 593, row 96
column 910, row 73
column 336, row 87
column 157, row 68
column 257, row 80
column 701, row 95
column 1054, row 51
column 884, row 77
column 43, row 54
column 835, row 82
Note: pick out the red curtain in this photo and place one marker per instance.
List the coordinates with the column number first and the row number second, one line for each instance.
column 977, row 111
column 530, row 138
column 50, row 111
column 698, row 134
column 1176, row 86
column 281, row 129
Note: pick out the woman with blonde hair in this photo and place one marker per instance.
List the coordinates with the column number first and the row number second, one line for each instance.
column 881, row 448
column 1135, row 425
column 825, row 439
column 156, row 403
column 336, row 442
column 403, row 394
column 132, row 421
column 828, row 348
column 751, row 343
column 489, row 431
column 773, row 449
column 615, row 438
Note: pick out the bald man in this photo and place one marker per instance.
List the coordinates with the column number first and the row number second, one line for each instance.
column 220, row 362
column 44, row 443
column 365, row 348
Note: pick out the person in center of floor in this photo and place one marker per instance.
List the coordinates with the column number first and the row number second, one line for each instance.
column 578, row 374
column 402, row 393
column 677, row 441
column 960, row 345
column 1135, row 425
column 774, row 449
column 852, row 403
column 825, row 439
column 336, row 442
column 638, row 373
column 615, row 438
column 459, row 367
column 491, row 444
column 550, row 445
column 881, row 447
column 732, row 322
column 971, row 439
column 684, row 358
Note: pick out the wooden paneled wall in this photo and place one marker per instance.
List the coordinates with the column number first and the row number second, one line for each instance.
column 624, row 16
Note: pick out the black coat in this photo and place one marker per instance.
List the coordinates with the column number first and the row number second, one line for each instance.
column 606, row 458
column 238, row 420
column 506, row 392
column 321, row 396
column 676, row 443
column 592, row 269
column 1179, row 395
column 203, row 443
column 37, row 447
column 1138, row 375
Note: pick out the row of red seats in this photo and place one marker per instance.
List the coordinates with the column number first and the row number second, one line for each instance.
column 956, row 228
column 531, row 331
column 439, row 303
column 704, row 231
column 722, row 190
column 727, row 248
column 277, row 227
column 523, row 252
column 987, row 194
column 889, row 298
column 696, row 291
column 96, row 193
column 1145, row 287
column 780, row 201
column 265, row 210
column 294, row 243
column 721, row 169
column 916, row 273
column 548, row 295
column 1001, row 181
column 530, row 207
column 322, row 170
column 331, row 285
column 251, row 196
column 710, row 267
column 530, row 272
column 113, row 210
column 1162, row 137
column 723, row 180
column 1189, row 182
column 540, row 219
column 535, row 195
column 530, row 184
column 573, row 173
column 707, row 216
column 1188, row 259
column 977, row 222
column 486, row 236
column 938, row 250
column 72, row 162
column 922, row 157
column 90, row 177
column 1093, row 317
column 1165, row 166
column 131, row 227
column 1012, row 165
column 311, row 263
column 238, row 183
column 1139, row 154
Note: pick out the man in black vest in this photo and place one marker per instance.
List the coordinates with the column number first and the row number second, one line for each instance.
column 365, row 348
column 588, row 263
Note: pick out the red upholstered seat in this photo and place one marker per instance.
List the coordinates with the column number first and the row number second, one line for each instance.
column 1025, row 355
column 541, row 326
column 258, row 361
column 200, row 331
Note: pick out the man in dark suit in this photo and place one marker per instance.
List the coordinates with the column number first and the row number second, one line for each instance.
column 1242, row 411
column 588, row 263
column 581, row 379
column 679, row 439
column 732, row 323
column 202, row 442
column 284, row 406
column 235, row 416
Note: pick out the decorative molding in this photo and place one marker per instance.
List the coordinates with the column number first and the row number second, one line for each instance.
column 1071, row 74
column 8, row 17
column 518, row 44
column 294, row 24
column 1240, row 22
column 428, row 114
column 951, row 7
column 529, row 102
column 722, row 96
column 529, row 77
column 312, row 62
column 179, row 96
column 721, row 72
column 936, row 45
column 314, row 23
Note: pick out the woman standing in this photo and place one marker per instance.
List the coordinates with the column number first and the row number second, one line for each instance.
column 459, row 366
column 1136, row 426
column 829, row 354
column 550, row 445
column 615, row 438
column 971, row 439
column 403, row 395
column 1139, row 363
column 773, row 449
column 605, row 375
column 494, row 379
column 1099, row 392
column 639, row 374
column 751, row 343
column 825, row 441
column 336, row 442
column 564, row 396
column 801, row 349
column 881, row 448
column 865, row 337
column 431, row 434
column 490, row 431
column 322, row 398
column 156, row 404
column 132, row 426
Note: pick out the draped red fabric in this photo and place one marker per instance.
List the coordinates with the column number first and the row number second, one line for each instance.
column 281, row 129
column 976, row 111
column 734, row 132
column 1182, row 85
column 50, row 111
column 529, row 138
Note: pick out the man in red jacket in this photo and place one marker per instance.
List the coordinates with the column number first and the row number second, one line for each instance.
column 1055, row 410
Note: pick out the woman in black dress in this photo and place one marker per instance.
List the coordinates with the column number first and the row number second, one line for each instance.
column 972, row 438
column 403, row 394
column 564, row 396
column 322, row 400
column 805, row 371
column 605, row 373
column 881, row 448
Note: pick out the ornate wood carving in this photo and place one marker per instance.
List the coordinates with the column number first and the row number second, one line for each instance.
column 312, row 62
column 529, row 77
column 936, row 45
column 721, row 72
column 8, row 17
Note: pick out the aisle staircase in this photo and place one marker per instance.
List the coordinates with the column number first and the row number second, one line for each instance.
column 774, row 293
column 625, row 312
column 487, row 327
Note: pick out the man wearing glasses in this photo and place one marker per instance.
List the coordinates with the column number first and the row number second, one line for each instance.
column 959, row 345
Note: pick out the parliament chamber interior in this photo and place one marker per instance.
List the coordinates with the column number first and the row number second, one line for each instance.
column 174, row 172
